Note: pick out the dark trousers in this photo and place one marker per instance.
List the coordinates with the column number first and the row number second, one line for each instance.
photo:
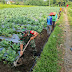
column 53, row 24
column 59, row 14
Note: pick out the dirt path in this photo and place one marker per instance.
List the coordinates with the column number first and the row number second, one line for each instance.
column 68, row 45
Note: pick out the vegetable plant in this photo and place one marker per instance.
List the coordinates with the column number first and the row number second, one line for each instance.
column 16, row 46
column 11, row 55
column 2, row 53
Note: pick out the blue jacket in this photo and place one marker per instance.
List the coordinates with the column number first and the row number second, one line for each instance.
column 49, row 20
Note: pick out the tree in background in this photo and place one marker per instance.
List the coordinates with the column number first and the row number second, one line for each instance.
column 54, row 1
column 39, row 2
column 34, row 2
column 3, row 1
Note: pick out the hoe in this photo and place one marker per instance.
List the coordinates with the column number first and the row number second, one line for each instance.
column 15, row 63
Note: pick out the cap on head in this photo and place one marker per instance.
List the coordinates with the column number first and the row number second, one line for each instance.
column 32, row 32
column 24, row 31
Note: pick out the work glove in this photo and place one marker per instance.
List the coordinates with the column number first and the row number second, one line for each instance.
column 21, row 53
column 31, row 38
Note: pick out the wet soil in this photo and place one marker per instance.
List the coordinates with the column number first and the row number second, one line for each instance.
column 28, row 59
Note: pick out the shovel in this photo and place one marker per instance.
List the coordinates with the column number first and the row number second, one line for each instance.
column 15, row 62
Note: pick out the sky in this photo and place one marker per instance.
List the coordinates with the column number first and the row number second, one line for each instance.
column 44, row 0
column 8, row 0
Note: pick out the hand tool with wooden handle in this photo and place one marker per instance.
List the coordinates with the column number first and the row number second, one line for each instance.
column 15, row 62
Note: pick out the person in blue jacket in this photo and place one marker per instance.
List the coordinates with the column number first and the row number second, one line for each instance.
column 49, row 24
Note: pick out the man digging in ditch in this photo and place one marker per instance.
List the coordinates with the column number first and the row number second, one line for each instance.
column 25, row 37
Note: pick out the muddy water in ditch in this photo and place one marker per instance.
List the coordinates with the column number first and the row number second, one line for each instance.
column 28, row 55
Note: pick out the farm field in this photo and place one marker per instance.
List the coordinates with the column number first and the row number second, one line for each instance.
column 13, row 6
column 12, row 20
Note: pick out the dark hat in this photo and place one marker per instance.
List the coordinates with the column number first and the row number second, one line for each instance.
column 24, row 31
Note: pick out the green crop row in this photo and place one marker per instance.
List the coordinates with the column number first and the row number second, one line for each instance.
column 48, row 61
column 13, row 6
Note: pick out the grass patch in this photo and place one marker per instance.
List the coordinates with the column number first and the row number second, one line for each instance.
column 69, row 3
column 70, row 16
column 13, row 6
column 49, row 60
column 69, row 12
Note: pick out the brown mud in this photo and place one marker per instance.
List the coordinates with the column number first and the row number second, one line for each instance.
column 28, row 59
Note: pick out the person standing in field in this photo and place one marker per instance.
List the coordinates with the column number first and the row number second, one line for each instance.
column 53, row 21
column 49, row 24
column 67, row 5
column 25, row 37
column 63, row 9
column 55, row 15
column 59, row 13
column 60, row 9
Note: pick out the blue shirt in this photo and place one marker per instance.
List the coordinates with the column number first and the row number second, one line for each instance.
column 49, row 20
